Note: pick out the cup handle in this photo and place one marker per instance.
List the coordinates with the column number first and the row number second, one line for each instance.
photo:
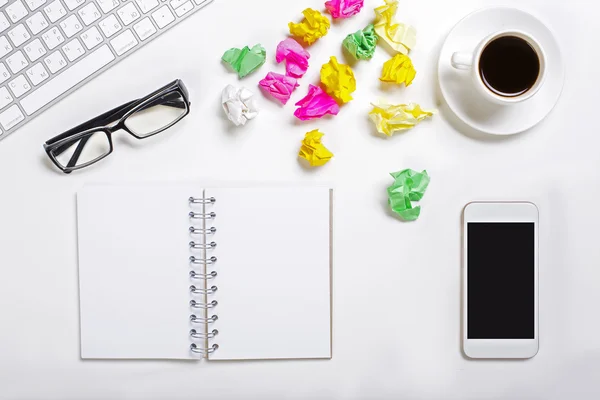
column 461, row 60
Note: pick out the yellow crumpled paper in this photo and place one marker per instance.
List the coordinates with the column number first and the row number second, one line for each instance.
column 338, row 80
column 400, row 37
column 399, row 69
column 391, row 118
column 313, row 151
column 314, row 26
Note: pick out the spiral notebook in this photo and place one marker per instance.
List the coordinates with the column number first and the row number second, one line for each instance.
column 186, row 272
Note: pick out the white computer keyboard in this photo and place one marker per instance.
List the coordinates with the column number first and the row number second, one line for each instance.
column 48, row 48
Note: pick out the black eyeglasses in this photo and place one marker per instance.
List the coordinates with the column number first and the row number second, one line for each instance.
column 91, row 141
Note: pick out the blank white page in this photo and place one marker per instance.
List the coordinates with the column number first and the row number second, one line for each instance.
column 134, row 271
column 274, row 267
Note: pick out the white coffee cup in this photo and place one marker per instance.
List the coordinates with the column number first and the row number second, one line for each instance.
column 470, row 61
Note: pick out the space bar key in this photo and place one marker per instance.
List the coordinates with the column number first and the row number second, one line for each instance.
column 69, row 78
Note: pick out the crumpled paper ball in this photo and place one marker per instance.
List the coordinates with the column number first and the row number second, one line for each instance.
column 362, row 43
column 398, row 36
column 399, row 69
column 344, row 8
column 239, row 104
column 316, row 104
column 279, row 86
column 314, row 26
column 296, row 58
column 391, row 118
column 313, row 151
column 246, row 60
column 409, row 185
column 338, row 80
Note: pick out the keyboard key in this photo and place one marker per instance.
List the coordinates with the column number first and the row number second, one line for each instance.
column 92, row 38
column 37, row 74
column 128, row 14
column 35, row 50
column 184, row 9
column 19, row 35
column 53, row 37
column 19, row 86
column 55, row 11
column 71, row 25
column 63, row 82
column 177, row 3
column 144, row 29
column 110, row 26
column 163, row 16
column 124, row 42
column 4, row 24
column 55, row 62
column 5, row 97
column 11, row 117
column 73, row 50
column 37, row 23
column 202, row 2
column 107, row 5
column 35, row 4
column 3, row 2
column 16, row 11
column 73, row 4
column 5, row 47
column 4, row 74
column 16, row 62
column 147, row 5
column 89, row 13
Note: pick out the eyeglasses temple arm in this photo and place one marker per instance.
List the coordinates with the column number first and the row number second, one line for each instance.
column 77, row 152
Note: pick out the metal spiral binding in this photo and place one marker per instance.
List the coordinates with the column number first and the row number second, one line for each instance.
column 201, row 200
column 195, row 275
column 204, row 352
column 202, row 231
column 210, row 290
column 202, row 246
column 195, row 215
column 195, row 304
column 200, row 320
column 199, row 335
column 202, row 261
column 199, row 257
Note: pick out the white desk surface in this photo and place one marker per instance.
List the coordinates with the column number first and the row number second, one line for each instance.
column 397, row 285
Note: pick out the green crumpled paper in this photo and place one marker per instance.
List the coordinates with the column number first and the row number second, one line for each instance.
column 361, row 44
column 409, row 185
column 247, row 60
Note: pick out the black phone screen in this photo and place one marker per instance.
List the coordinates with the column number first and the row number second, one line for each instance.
column 500, row 280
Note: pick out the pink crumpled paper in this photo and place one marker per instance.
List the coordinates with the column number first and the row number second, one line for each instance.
column 296, row 58
column 316, row 104
column 344, row 8
column 279, row 86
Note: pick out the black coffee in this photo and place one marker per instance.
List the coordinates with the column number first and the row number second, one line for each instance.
column 509, row 66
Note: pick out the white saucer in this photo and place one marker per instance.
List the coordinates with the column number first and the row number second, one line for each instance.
column 458, row 88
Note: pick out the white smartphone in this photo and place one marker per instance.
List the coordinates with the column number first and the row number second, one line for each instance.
column 500, row 280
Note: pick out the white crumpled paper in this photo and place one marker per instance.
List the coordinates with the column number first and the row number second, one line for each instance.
column 239, row 104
